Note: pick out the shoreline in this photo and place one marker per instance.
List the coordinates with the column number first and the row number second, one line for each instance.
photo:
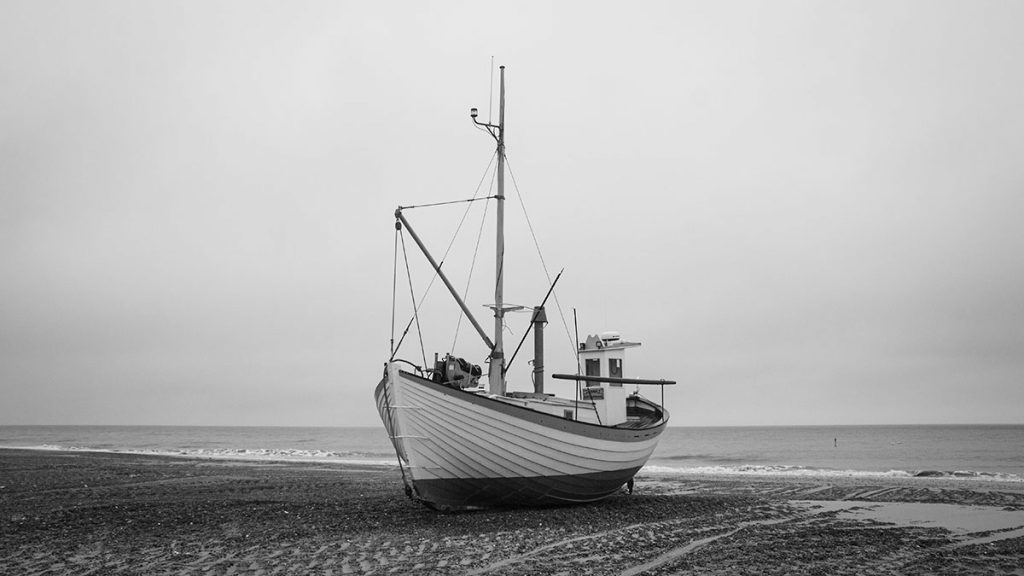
column 75, row 512
column 653, row 470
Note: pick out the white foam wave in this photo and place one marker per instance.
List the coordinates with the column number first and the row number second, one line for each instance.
column 241, row 454
column 802, row 471
column 326, row 456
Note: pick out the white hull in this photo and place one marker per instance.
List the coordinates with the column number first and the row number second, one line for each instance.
column 464, row 450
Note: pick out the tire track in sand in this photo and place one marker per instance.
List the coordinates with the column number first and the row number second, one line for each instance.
column 523, row 557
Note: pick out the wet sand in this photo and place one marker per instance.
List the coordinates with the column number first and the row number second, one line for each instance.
column 95, row 513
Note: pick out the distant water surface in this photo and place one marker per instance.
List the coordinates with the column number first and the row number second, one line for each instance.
column 954, row 451
column 369, row 445
column 979, row 452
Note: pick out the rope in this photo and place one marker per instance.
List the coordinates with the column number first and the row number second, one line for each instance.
column 540, row 254
column 412, row 294
column 394, row 288
column 472, row 266
column 530, row 327
column 473, row 199
column 398, row 455
column 402, row 339
column 434, row 277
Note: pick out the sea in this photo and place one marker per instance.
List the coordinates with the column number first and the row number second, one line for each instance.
column 991, row 452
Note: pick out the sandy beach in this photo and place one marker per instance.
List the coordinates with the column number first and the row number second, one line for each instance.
column 99, row 513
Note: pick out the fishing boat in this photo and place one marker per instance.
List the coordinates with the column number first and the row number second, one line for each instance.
column 462, row 445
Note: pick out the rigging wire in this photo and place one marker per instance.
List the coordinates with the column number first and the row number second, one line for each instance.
column 402, row 339
column 404, row 333
column 443, row 257
column 464, row 214
column 576, row 326
column 472, row 266
column 539, row 253
column 532, row 316
column 412, row 294
column 473, row 199
column 394, row 287
column 410, row 489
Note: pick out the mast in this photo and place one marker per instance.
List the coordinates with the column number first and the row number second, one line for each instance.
column 496, row 371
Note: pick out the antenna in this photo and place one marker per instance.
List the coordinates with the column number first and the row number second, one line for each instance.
column 490, row 98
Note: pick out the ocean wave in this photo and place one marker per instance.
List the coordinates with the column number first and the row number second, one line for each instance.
column 970, row 474
column 242, row 454
column 383, row 459
column 705, row 458
column 804, row 471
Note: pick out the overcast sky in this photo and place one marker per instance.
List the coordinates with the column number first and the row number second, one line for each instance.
column 808, row 212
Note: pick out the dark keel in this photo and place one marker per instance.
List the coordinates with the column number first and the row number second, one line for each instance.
column 476, row 493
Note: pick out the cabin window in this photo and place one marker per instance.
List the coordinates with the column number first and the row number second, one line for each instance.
column 615, row 367
column 567, row 414
column 593, row 367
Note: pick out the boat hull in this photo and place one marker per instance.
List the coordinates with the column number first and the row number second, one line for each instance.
column 520, row 491
column 462, row 450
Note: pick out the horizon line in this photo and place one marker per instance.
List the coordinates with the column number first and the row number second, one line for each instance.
column 379, row 426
